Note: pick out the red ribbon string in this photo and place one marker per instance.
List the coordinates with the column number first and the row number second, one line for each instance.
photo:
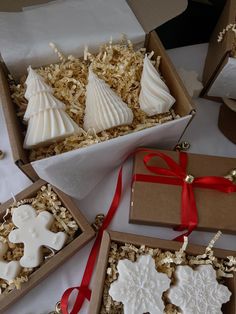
column 83, row 291
column 175, row 174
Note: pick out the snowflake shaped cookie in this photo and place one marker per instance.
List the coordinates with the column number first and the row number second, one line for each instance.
column 197, row 291
column 139, row 286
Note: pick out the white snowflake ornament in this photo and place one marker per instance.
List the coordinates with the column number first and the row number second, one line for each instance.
column 140, row 286
column 197, row 291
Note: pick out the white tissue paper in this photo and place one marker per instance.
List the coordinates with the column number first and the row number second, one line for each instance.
column 225, row 83
column 78, row 172
column 72, row 24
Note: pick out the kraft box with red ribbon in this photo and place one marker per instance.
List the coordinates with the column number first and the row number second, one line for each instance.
column 184, row 191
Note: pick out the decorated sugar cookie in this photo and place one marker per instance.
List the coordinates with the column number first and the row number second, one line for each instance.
column 139, row 286
column 198, row 291
column 33, row 231
column 8, row 270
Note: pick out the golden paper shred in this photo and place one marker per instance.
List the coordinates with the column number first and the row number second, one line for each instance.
column 121, row 68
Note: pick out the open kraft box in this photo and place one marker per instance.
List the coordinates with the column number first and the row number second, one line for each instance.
column 82, row 237
column 75, row 172
column 218, row 77
column 137, row 240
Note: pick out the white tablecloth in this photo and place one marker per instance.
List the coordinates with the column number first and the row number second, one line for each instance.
column 204, row 137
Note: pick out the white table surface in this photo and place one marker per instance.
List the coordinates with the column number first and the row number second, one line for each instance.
column 204, row 137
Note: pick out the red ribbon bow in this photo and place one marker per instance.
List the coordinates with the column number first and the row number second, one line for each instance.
column 176, row 174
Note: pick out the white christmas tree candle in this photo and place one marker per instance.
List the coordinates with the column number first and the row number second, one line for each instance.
column 47, row 120
column 154, row 95
column 104, row 108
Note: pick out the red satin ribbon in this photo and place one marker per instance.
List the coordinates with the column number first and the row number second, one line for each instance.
column 175, row 174
column 83, row 291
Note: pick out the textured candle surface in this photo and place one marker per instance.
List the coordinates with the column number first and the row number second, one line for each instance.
column 104, row 108
column 197, row 291
column 8, row 270
column 33, row 231
column 47, row 120
column 154, row 96
column 139, row 286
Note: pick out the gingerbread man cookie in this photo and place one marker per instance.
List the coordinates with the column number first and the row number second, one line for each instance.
column 33, row 231
column 8, row 270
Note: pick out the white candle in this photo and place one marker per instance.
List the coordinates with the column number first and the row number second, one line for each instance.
column 47, row 120
column 8, row 271
column 139, row 286
column 104, row 108
column 154, row 95
column 33, row 231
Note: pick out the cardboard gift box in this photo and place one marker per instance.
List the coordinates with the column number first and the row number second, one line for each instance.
column 160, row 204
column 219, row 72
column 82, row 237
column 75, row 172
column 137, row 240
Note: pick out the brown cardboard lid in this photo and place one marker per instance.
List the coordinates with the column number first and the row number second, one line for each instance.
column 153, row 13
column 227, row 119
column 150, row 13
column 17, row 5
column 217, row 52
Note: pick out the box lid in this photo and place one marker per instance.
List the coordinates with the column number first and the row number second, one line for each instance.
column 153, row 13
column 218, row 53
column 17, row 5
column 87, row 22
column 150, row 13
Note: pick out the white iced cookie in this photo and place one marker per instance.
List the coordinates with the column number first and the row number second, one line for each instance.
column 104, row 108
column 191, row 82
column 33, row 231
column 47, row 120
column 154, row 95
column 197, row 291
column 139, row 286
column 8, row 270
